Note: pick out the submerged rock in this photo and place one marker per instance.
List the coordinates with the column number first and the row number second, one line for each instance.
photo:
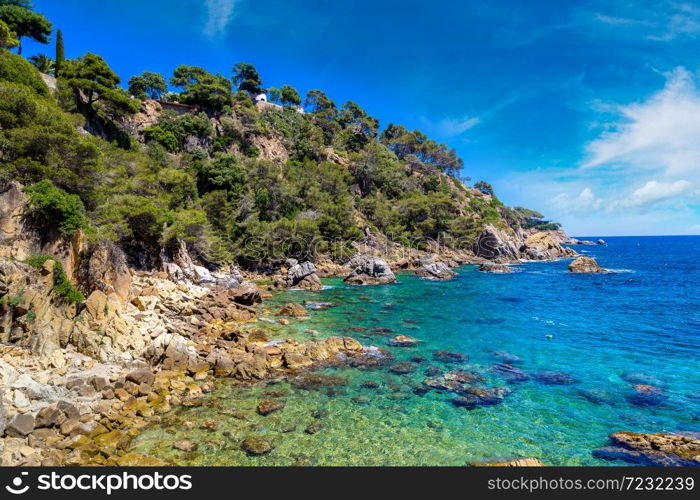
column 510, row 373
column 647, row 395
column 185, row 445
column 554, row 378
column 585, row 265
column 269, row 406
column 318, row 306
column 402, row 368
column 370, row 384
column 640, row 378
column 311, row 381
column 403, row 341
column 662, row 449
column 257, row 445
column 597, row 396
column 449, row 356
column 473, row 397
column 507, row 357
column 293, row 310
column 314, row 427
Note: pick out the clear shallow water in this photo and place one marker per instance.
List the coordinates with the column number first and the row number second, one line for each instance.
column 645, row 319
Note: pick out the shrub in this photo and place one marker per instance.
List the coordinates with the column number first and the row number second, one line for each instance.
column 16, row 69
column 61, row 284
column 56, row 206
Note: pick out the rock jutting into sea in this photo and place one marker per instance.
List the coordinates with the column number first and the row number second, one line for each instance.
column 586, row 265
column 367, row 270
column 434, row 270
column 662, row 449
column 492, row 267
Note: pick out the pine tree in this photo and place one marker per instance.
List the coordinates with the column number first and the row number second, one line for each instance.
column 60, row 53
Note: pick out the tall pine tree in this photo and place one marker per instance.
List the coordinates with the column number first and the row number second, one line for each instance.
column 60, row 53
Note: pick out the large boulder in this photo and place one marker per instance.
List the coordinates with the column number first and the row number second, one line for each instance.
column 432, row 270
column 247, row 294
column 585, row 265
column 368, row 270
column 173, row 351
column 303, row 276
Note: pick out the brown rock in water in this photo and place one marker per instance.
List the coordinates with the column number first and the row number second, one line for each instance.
column 257, row 445
column 247, row 294
column 403, row 341
column 185, row 445
column 662, row 449
column 492, row 267
column 403, row 368
column 269, row 406
column 585, row 265
column 433, row 270
column 297, row 361
column 292, row 309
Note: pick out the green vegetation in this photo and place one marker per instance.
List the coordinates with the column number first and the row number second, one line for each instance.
column 43, row 63
column 56, row 207
column 532, row 219
column 16, row 69
column 233, row 180
column 148, row 85
column 23, row 22
column 62, row 285
column 60, row 54
column 8, row 38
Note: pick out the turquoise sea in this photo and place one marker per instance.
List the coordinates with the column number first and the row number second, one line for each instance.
column 602, row 333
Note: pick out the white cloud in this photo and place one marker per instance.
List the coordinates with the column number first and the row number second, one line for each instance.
column 448, row 128
column 662, row 132
column 585, row 202
column 664, row 22
column 655, row 191
column 219, row 15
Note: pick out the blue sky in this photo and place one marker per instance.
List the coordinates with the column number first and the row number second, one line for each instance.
column 588, row 111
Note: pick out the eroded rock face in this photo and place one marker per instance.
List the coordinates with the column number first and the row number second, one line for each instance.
column 105, row 268
column 508, row 246
column 543, row 246
column 31, row 315
column 303, row 276
column 662, row 449
column 585, row 265
column 368, row 270
column 497, row 244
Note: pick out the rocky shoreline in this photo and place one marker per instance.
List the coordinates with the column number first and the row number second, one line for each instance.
column 81, row 381
column 81, row 378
